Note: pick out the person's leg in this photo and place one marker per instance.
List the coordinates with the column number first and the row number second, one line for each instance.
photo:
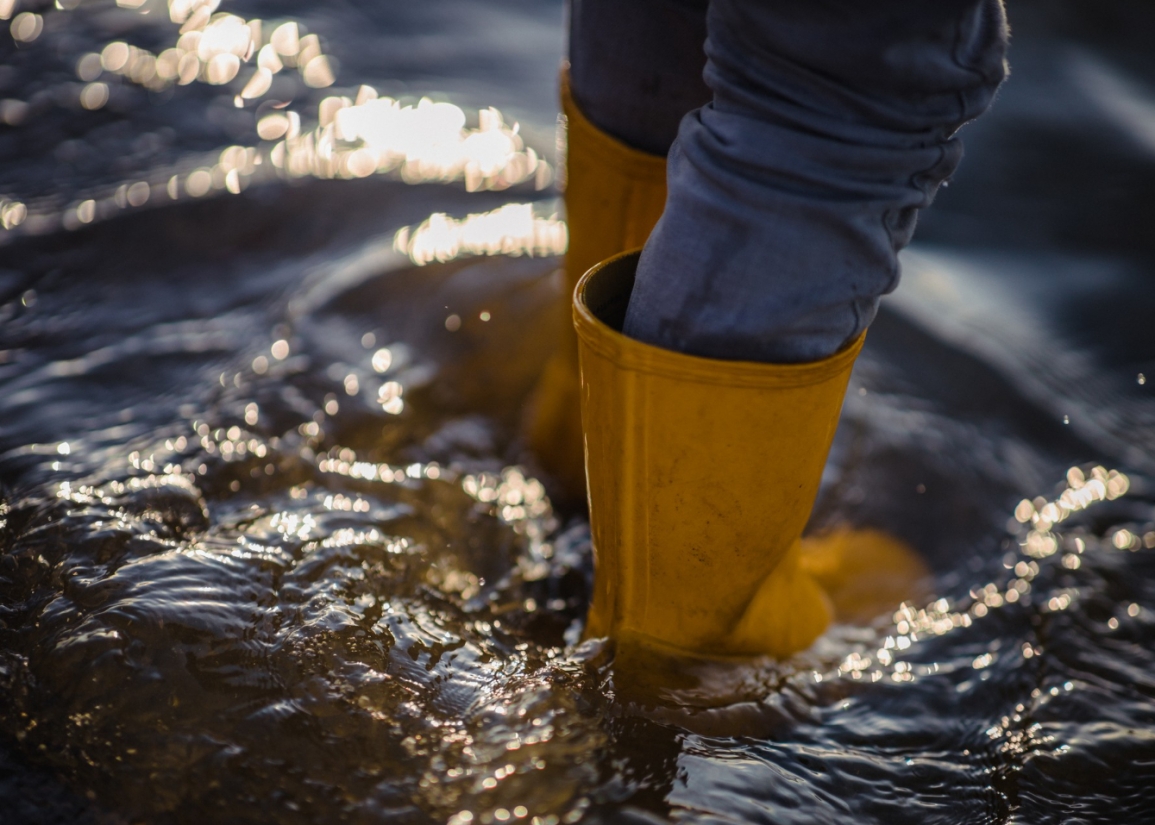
column 635, row 70
column 790, row 195
column 636, row 67
column 708, row 422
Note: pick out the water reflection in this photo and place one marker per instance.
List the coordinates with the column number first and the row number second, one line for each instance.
column 912, row 625
column 349, row 137
column 512, row 230
column 423, row 143
column 213, row 48
column 420, row 144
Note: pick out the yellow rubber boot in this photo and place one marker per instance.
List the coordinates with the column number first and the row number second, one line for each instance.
column 866, row 573
column 702, row 474
column 614, row 195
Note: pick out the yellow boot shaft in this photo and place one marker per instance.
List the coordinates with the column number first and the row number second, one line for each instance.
column 702, row 474
column 614, row 194
column 614, row 197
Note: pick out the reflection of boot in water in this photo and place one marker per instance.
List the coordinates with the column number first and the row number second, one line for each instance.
column 702, row 474
column 614, row 196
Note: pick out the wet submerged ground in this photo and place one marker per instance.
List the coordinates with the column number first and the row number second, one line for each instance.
column 271, row 551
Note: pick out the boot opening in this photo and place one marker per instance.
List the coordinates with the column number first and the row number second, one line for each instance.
column 607, row 292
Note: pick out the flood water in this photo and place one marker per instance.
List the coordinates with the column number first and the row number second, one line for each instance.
column 271, row 549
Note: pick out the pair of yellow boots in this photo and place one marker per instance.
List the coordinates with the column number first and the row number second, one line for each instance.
column 702, row 473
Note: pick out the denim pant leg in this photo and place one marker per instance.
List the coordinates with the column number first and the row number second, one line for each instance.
column 790, row 194
column 636, row 66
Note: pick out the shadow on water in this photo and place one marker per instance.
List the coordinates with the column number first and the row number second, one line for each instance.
column 270, row 546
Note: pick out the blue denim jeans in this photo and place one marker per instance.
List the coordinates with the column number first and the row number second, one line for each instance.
column 798, row 170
